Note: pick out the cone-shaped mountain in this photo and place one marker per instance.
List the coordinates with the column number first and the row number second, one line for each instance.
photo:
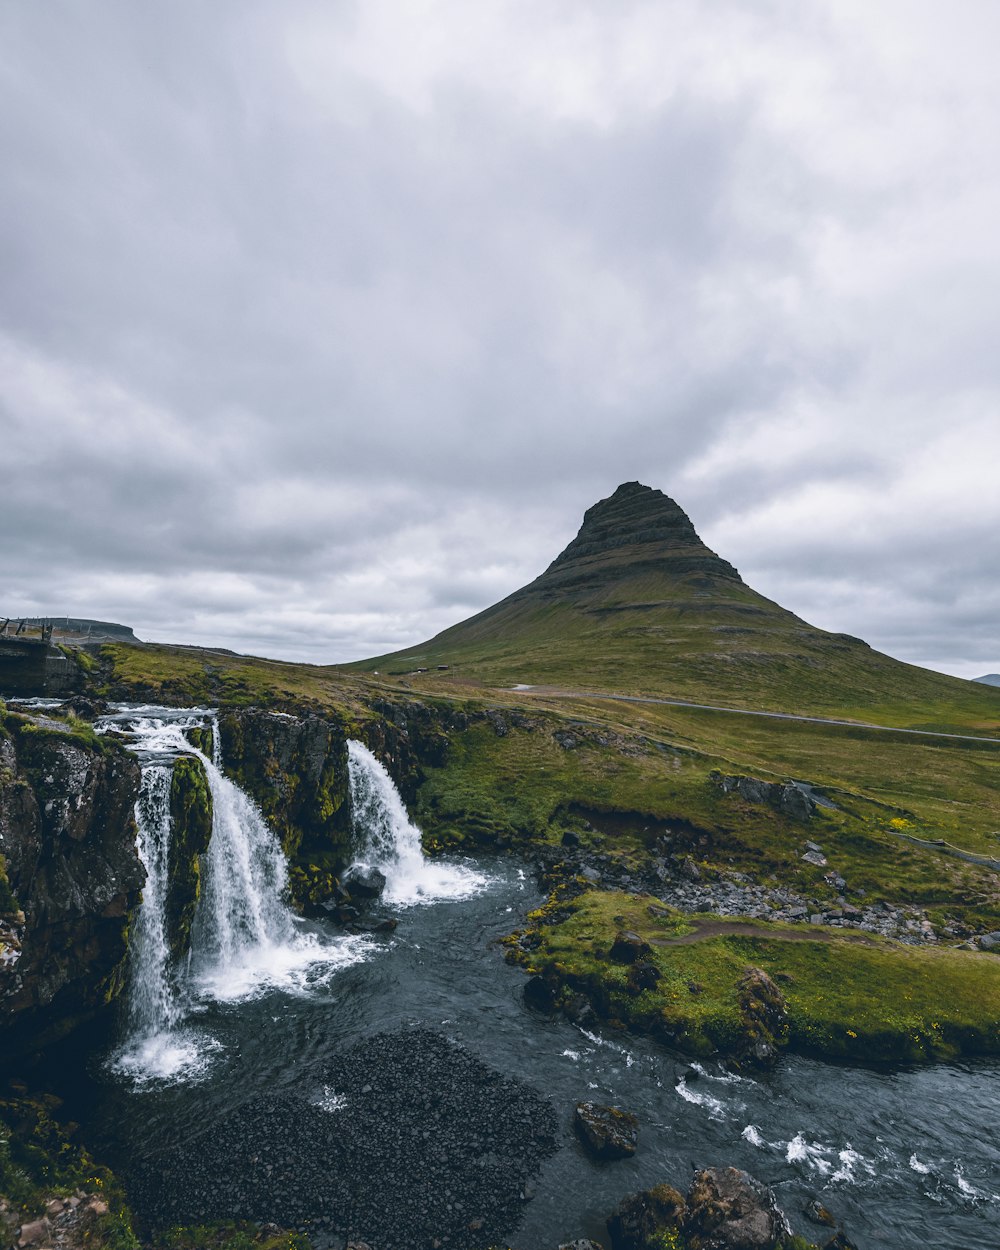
column 637, row 603
column 636, row 530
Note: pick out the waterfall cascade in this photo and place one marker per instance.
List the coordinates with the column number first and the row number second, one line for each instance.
column 387, row 839
column 153, row 994
column 244, row 938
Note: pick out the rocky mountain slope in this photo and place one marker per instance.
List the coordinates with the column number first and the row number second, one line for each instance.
column 638, row 604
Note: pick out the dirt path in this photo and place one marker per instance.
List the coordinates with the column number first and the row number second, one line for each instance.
column 726, row 928
column 554, row 692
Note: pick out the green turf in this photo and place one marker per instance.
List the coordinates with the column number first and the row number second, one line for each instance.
column 861, row 1000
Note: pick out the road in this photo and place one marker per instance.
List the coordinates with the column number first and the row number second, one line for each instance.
column 551, row 691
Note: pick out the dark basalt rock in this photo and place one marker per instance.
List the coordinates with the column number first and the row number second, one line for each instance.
column 607, row 1132
column 628, row 947
column 728, row 1209
column 643, row 1217
column 539, row 995
column 67, row 835
column 365, row 882
column 420, row 1143
column 818, row 1213
column 725, row 1209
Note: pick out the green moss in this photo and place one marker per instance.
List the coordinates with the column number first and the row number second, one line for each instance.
column 191, row 814
column 228, row 1235
column 9, row 905
column 201, row 736
column 58, row 726
column 40, row 1159
column 855, row 1000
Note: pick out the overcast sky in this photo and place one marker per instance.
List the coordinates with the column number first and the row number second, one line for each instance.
column 321, row 324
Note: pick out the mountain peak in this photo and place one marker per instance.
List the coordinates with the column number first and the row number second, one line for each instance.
column 636, row 529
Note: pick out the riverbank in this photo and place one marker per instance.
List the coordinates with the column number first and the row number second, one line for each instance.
column 750, row 989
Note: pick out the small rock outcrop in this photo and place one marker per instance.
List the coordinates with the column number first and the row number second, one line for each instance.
column 765, row 1017
column 365, row 883
column 784, row 796
column 606, row 1132
column 725, row 1209
column 629, row 947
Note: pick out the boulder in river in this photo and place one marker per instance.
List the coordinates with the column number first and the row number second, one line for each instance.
column 725, row 1209
column 643, row 1217
column 607, row 1132
column 365, row 882
column 728, row 1209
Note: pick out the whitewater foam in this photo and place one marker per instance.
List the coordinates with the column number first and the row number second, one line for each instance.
column 388, row 840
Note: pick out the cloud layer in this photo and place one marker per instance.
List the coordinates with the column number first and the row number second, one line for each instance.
column 322, row 324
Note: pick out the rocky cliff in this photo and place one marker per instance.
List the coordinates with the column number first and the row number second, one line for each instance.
column 634, row 531
column 67, row 838
column 295, row 768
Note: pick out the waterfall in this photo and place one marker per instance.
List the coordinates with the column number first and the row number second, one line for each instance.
column 244, row 938
column 388, row 840
column 153, row 1000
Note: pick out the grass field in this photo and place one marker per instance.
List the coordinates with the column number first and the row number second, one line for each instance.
column 854, row 997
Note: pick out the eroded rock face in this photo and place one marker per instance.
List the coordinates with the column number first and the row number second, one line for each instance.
column 191, row 813
column 67, row 834
column 295, row 769
column 725, row 1209
column 728, row 1209
column 785, row 796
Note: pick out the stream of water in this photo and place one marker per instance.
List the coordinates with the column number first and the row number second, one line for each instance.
column 905, row 1159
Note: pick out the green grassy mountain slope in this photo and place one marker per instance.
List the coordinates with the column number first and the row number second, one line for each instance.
column 637, row 604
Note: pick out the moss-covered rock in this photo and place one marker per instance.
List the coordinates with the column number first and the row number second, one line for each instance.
column 202, row 737
column 296, row 771
column 191, row 816
column 725, row 1209
column 67, row 835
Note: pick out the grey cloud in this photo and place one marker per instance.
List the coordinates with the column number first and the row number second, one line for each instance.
column 304, row 366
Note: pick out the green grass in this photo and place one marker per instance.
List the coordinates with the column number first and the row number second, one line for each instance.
column 650, row 634
column 637, row 760
column 862, row 1001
